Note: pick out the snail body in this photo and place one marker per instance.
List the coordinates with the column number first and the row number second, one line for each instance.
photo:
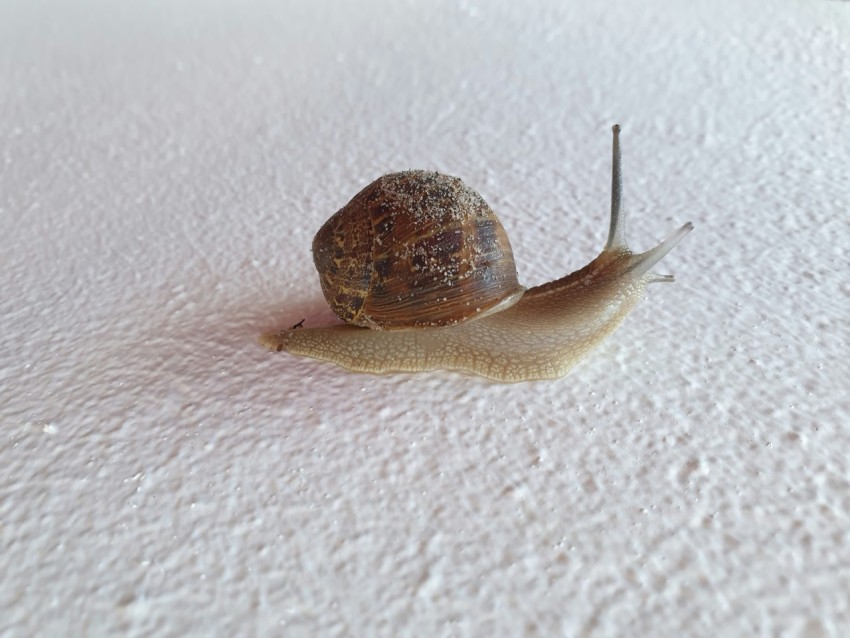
column 515, row 335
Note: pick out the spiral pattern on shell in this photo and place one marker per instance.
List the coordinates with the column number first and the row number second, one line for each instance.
column 415, row 249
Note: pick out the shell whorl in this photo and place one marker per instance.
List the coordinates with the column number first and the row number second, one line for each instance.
column 415, row 249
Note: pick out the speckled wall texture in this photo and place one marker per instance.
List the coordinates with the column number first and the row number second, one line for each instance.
column 163, row 168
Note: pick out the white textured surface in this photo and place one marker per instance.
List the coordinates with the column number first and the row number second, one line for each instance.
column 164, row 166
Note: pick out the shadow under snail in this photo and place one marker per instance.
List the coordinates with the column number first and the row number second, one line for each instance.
column 423, row 273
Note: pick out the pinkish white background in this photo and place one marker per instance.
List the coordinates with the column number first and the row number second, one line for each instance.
column 163, row 167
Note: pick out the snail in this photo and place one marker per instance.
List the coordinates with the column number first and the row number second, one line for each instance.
column 423, row 272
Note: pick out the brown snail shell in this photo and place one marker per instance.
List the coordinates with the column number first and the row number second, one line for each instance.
column 415, row 249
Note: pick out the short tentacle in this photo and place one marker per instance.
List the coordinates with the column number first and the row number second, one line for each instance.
column 642, row 262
